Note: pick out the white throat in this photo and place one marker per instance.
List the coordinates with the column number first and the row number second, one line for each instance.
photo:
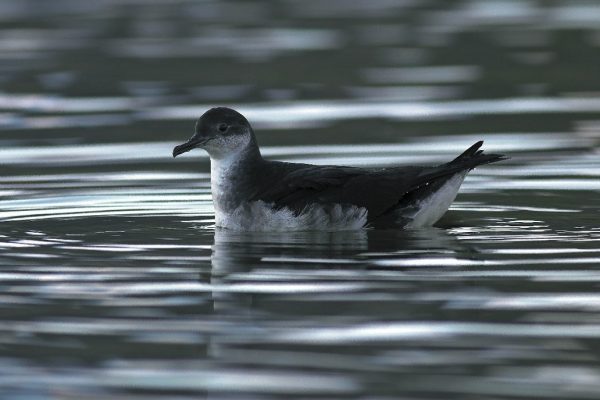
column 224, row 172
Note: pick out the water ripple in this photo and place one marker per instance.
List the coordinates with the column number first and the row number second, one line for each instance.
column 115, row 283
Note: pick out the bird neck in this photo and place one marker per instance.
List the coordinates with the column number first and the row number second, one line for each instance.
column 246, row 155
column 232, row 175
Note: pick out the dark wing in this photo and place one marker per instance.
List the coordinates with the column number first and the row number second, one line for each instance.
column 378, row 190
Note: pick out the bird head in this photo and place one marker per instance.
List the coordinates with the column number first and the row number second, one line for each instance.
column 220, row 131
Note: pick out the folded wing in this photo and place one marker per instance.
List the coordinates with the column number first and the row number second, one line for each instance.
column 377, row 190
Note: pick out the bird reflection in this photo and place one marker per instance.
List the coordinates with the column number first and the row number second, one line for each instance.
column 236, row 254
column 237, row 251
column 267, row 282
column 243, row 261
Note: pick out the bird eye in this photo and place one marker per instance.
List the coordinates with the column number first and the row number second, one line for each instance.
column 223, row 127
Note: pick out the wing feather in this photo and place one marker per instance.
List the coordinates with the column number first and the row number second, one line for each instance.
column 377, row 190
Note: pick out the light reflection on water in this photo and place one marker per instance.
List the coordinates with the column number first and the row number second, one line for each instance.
column 288, row 114
column 115, row 283
column 130, row 260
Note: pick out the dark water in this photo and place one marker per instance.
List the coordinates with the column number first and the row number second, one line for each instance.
column 114, row 282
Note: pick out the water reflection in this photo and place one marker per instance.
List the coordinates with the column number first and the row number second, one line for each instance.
column 245, row 44
column 246, row 257
column 114, row 282
column 298, row 112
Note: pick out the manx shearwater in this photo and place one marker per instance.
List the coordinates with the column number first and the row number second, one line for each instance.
column 254, row 194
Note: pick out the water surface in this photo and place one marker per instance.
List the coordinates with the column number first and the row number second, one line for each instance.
column 114, row 282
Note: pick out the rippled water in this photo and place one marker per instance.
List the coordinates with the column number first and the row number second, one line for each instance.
column 114, row 282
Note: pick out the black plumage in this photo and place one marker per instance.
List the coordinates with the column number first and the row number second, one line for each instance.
column 379, row 190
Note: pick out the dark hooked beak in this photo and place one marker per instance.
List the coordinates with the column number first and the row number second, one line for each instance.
column 189, row 145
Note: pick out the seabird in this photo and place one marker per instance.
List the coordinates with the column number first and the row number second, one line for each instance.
column 253, row 194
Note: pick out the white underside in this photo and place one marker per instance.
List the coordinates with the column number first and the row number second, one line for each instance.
column 260, row 216
column 432, row 208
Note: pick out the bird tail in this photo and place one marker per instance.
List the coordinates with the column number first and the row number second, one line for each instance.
column 430, row 180
column 469, row 159
column 474, row 156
